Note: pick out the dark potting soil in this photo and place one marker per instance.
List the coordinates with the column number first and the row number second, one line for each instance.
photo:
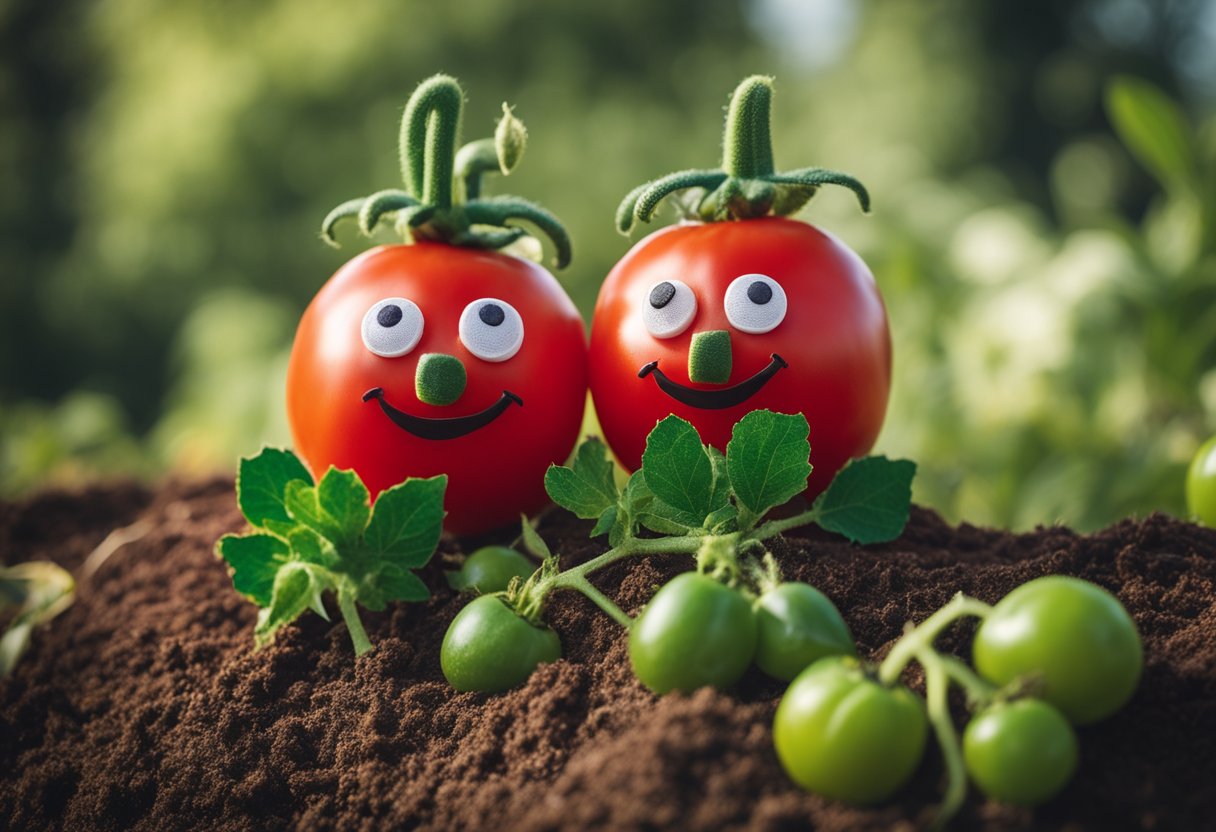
column 145, row 706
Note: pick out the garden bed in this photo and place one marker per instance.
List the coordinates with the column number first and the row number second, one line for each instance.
column 145, row 705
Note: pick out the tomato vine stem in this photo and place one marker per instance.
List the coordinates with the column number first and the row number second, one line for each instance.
column 922, row 636
column 937, row 685
column 358, row 636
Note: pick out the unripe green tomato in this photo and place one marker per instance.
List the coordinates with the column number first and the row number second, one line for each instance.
column 490, row 569
column 694, row 632
column 1075, row 636
column 797, row 626
column 489, row 648
column 843, row 735
column 1020, row 752
column 1201, row 484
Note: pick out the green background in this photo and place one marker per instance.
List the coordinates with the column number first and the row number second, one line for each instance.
column 1044, row 225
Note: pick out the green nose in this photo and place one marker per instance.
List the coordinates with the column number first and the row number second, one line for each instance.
column 439, row 379
column 709, row 357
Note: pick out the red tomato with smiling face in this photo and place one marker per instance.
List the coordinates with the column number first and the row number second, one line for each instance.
column 741, row 309
column 711, row 321
column 430, row 359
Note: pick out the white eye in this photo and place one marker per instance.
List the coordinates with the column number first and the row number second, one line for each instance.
column 491, row 329
column 392, row 327
column 755, row 303
column 669, row 309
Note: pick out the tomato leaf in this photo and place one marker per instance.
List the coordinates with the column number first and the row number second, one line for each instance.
column 767, row 459
column 407, row 522
column 533, row 542
column 587, row 487
column 869, row 500
column 329, row 538
column 261, row 483
column 254, row 560
column 679, row 470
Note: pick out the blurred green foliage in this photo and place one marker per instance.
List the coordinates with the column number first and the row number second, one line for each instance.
column 1044, row 228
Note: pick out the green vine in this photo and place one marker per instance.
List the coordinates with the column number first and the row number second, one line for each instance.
column 442, row 198
column 746, row 186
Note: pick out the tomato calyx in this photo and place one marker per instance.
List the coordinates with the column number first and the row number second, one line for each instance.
column 714, row 399
column 444, row 427
column 442, row 201
column 747, row 185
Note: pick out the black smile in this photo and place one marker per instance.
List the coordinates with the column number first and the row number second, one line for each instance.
column 451, row 428
column 714, row 399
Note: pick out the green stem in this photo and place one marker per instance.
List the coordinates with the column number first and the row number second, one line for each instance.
column 429, row 132
column 979, row 690
column 775, row 527
column 747, row 147
column 350, row 615
column 922, row 636
column 474, row 161
column 602, row 601
column 937, row 685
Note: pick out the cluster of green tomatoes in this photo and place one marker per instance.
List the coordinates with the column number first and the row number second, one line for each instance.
column 1054, row 653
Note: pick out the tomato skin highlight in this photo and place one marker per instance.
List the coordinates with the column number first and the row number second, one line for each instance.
column 694, row 632
column 1022, row 752
column 494, row 472
column 834, row 336
column 1201, row 484
column 847, row 737
column 1073, row 635
column 490, row 649
column 798, row 625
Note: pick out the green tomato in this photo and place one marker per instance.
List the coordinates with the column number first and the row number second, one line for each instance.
column 694, row 632
column 490, row 569
column 797, row 626
column 1075, row 636
column 1201, row 484
column 843, row 735
column 489, row 648
column 1020, row 752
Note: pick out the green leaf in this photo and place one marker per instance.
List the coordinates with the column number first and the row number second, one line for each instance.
column 586, row 488
column 304, row 507
column 407, row 520
column 651, row 512
column 292, row 594
column 261, row 483
column 309, row 547
column 533, row 542
column 344, row 497
column 1154, row 129
column 399, row 584
column 254, row 560
column 767, row 459
column 723, row 520
column 869, row 500
column 606, row 522
column 678, row 469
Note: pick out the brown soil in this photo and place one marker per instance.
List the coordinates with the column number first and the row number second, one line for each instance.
column 145, row 706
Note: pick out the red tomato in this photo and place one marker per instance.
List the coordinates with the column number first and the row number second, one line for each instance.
column 504, row 423
column 828, row 356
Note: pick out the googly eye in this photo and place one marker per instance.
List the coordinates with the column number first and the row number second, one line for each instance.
column 669, row 308
column 755, row 303
column 491, row 329
column 392, row 327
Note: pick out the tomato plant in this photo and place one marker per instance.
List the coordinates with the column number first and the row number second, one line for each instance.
column 798, row 624
column 1073, row 637
column 843, row 735
column 694, row 632
column 440, row 356
column 711, row 319
column 1020, row 752
column 490, row 569
column 1201, row 484
column 490, row 648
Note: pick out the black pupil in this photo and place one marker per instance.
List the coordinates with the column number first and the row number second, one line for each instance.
column 389, row 315
column 662, row 294
column 491, row 314
column 760, row 293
